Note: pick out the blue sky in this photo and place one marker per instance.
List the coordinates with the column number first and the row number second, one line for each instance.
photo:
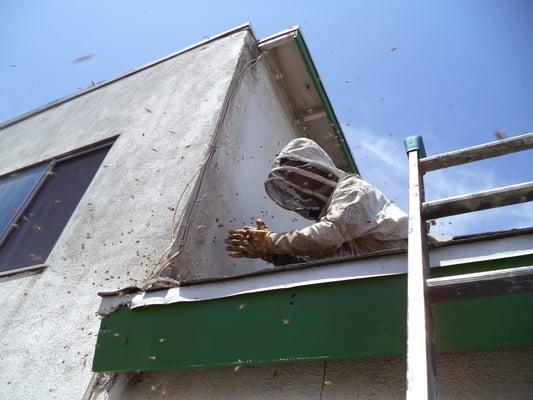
column 461, row 71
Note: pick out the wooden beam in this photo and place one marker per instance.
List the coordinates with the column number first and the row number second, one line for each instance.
column 420, row 366
column 475, row 153
column 481, row 284
column 498, row 197
column 311, row 116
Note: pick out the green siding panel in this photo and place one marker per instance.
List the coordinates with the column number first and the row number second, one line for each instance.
column 350, row 319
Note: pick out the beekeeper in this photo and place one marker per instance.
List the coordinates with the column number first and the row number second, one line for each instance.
column 351, row 216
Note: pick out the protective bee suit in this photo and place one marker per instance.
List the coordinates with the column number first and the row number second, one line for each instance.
column 352, row 217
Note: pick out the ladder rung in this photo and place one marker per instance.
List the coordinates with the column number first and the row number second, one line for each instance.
column 476, row 153
column 481, row 284
column 498, row 197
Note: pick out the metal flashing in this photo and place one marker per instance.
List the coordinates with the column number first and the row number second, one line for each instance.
column 393, row 263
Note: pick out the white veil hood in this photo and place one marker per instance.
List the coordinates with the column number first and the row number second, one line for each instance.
column 305, row 159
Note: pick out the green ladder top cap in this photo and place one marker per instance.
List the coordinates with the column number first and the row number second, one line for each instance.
column 415, row 143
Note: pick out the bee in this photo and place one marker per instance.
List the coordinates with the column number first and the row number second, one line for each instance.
column 35, row 257
column 500, row 134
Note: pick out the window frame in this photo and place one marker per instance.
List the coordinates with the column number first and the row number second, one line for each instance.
column 52, row 161
column 28, row 198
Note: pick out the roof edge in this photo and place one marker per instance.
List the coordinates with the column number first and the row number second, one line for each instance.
column 319, row 86
column 277, row 35
column 244, row 27
column 296, row 34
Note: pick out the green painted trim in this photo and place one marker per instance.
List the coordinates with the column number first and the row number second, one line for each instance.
column 341, row 320
column 415, row 143
column 311, row 68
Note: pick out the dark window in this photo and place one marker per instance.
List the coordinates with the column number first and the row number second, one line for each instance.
column 38, row 226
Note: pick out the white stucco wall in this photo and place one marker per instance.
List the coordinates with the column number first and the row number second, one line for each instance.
column 165, row 116
column 474, row 376
column 256, row 128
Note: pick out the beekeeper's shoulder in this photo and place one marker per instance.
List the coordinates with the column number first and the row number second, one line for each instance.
column 351, row 182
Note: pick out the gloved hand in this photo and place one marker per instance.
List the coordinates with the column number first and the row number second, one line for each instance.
column 250, row 242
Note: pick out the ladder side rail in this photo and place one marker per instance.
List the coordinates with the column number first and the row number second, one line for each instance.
column 476, row 153
column 421, row 383
column 483, row 200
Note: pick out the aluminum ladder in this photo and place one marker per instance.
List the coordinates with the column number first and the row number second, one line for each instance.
column 421, row 289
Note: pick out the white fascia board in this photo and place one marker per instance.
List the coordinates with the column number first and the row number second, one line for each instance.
column 278, row 39
column 513, row 246
column 357, row 269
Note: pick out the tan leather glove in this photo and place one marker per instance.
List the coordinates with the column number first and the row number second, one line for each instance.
column 250, row 242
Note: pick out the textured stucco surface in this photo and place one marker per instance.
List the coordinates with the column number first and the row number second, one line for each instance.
column 255, row 129
column 165, row 116
column 474, row 376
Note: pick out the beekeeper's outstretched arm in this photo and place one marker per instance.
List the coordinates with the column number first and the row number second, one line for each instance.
column 355, row 210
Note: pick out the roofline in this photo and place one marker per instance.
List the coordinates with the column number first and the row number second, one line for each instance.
column 306, row 55
column 244, row 27
column 296, row 33
column 286, row 32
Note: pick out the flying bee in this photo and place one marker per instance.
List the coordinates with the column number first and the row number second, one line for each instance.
column 35, row 257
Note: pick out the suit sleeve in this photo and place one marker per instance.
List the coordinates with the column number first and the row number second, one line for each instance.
column 317, row 240
column 352, row 213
